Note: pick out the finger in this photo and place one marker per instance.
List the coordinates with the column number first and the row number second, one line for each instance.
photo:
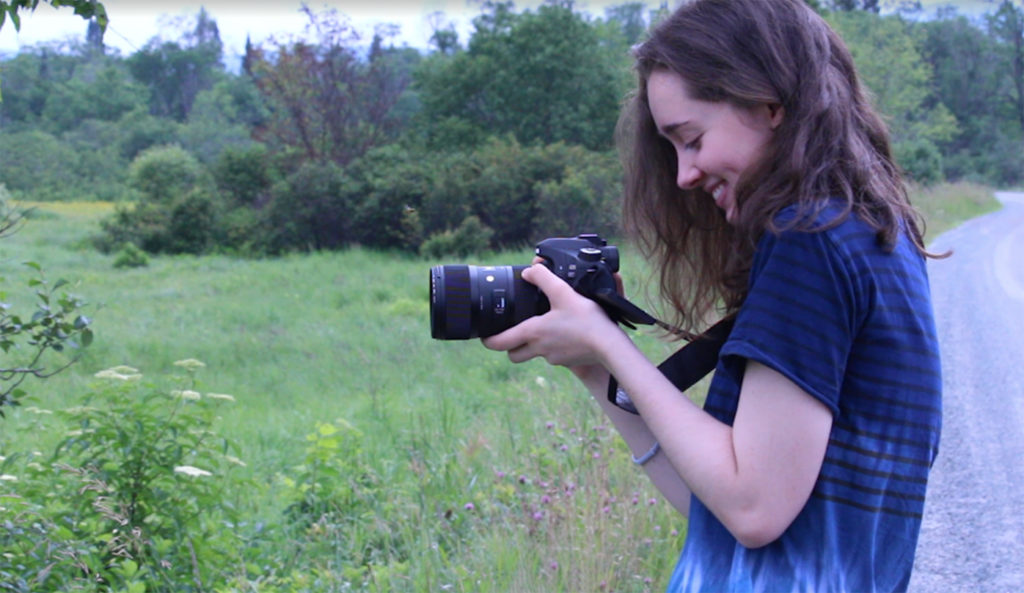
column 510, row 339
column 521, row 354
column 543, row 278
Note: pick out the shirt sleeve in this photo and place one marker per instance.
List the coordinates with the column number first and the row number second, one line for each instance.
column 801, row 312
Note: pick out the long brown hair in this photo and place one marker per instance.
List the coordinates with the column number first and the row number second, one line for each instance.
column 830, row 146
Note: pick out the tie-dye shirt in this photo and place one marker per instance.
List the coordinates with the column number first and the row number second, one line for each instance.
column 852, row 325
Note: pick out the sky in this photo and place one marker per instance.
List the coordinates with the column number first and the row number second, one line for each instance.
column 134, row 22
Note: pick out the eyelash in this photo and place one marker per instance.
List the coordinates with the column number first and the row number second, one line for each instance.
column 693, row 144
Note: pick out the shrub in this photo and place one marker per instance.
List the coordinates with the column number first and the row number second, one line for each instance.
column 309, row 209
column 131, row 256
column 472, row 236
column 244, row 174
column 164, row 173
column 921, row 160
column 140, row 491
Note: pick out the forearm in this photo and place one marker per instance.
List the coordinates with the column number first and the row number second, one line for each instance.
column 754, row 475
column 639, row 439
column 696, row 449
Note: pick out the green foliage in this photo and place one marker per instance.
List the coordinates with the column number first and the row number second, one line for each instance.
column 131, row 256
column 163, row 174
column 27, row 341
column 886, row 50
column 471, row 237
column 37, row 165
column 87, row 9
column 176, row 73
column 309, row 209
column 141, row 490
column 541, row 76
column 921, row 161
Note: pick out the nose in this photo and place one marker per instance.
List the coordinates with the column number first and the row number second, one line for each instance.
column 689, row 175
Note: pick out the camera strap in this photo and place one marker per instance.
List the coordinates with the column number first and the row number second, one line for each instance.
column 688, row 365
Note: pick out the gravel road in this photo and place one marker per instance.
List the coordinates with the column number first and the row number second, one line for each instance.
column 972, row 537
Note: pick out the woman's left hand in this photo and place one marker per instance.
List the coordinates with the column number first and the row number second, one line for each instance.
column 571, row 334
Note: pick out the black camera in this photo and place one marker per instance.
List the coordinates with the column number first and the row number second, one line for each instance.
column 480, row 301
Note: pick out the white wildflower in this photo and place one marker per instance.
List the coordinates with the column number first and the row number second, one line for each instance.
column 542, row 382
column 188, row 470
column 222, row 396
column 117, row 374
column 8, row 478
column 190, row 364
column 187, row 394
column 234, row 460
column 36, row 410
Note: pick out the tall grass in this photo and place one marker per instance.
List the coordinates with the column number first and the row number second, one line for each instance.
column 457, row 471
column 488, row 475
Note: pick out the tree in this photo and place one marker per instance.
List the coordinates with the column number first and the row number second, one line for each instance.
column 1006, row 25
column 177, row 72
column 969, row 80
column 900, row 83
column 542, row 76
column 87, row 9
column 325, row 101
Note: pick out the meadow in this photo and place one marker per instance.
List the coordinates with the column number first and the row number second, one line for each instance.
column 366, row 455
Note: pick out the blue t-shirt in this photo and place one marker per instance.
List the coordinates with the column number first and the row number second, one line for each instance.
column 852, row 325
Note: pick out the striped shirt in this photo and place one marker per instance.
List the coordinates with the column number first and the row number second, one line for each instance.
column 852, row 325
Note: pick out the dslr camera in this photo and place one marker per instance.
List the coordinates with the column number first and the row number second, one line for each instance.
column 480, row 301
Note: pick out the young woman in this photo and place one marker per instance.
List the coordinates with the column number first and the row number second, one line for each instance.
column 761, row 182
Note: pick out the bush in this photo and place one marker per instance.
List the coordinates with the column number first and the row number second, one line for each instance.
column 920, row 160
column 309, row 209
column 244, row 174
column 472, row 236
column 163, row 174
column 141, row 491
column 131, row 256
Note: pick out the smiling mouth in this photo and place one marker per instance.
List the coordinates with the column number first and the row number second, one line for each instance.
column 717, row 193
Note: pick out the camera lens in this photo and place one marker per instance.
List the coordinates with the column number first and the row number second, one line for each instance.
column 479, row 301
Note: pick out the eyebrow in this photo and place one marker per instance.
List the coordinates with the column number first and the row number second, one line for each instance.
column 668, row 129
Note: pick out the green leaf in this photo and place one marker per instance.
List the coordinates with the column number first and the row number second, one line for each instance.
column 35, row 266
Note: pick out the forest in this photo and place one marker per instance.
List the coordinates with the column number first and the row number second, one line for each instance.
column 330, row 140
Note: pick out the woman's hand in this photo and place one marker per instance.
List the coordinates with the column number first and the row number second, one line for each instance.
column 571, row 334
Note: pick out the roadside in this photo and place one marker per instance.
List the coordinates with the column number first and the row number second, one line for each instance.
column 972, row 537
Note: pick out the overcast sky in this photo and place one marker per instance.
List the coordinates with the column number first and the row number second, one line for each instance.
column 134, row 22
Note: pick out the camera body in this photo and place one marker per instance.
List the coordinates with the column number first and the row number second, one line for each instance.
column 479, row 301
column 585, row 262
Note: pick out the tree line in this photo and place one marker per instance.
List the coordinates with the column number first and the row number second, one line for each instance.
column 327, row 140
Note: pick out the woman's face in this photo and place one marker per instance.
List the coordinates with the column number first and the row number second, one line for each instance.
column 715, row 143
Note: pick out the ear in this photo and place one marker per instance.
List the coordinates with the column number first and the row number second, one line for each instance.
column 775, row 115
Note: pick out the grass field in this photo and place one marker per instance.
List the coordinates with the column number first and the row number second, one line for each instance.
column 486, row 476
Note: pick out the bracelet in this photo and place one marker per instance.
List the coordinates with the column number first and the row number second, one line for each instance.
column 648, row 455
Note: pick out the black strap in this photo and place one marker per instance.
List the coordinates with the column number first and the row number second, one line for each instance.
column 688, row 365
